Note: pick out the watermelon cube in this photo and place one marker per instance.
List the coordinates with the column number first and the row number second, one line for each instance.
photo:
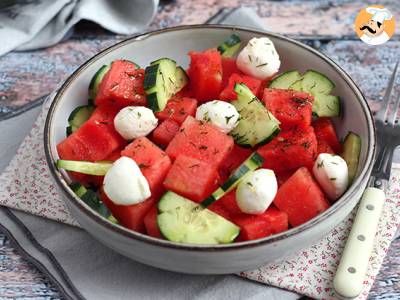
column 122, row 85
column 178, row 109
column 192, row 178
column 228, row 68
column 130, row 216
column 91, row 142
column 165, row 132
column 219, row 209
column 254, row 227
column 323, row 147
column 205, row 74
column 325, row 130
column 290, row 150
column 290, row 107
column 105, row 113
column 202, row 141
column 234, row 160
column 301, row 198
column 152, row 161
column 228, row 201
column 228, row 92
column 150, row 222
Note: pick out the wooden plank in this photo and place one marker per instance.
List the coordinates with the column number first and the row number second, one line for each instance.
column 27, row 76
column 20, row 279
column 20, row 75
column 331, row 18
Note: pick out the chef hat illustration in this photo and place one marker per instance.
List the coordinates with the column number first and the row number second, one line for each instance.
column 379, row 14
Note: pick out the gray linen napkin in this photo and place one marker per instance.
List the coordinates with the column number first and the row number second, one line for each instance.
column 83, row 268
column 36, row 24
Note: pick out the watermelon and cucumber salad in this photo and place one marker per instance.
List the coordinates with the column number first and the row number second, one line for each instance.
column 228, row 150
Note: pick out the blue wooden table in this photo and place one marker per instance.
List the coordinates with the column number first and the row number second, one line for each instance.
column 26, row 77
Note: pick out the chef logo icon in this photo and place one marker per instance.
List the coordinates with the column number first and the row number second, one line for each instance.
column 375, row 25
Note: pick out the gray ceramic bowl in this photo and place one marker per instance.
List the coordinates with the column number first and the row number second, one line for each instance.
column 205, row 259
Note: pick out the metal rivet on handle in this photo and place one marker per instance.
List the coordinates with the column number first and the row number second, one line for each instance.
column 361, row 237
column 370, row 207
column 351, row 270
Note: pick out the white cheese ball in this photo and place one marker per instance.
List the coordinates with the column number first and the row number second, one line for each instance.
column 125, row 184
column 259, row 58
column 219, row 113
column 332, row 174
column 256, row 191
column 133, row 122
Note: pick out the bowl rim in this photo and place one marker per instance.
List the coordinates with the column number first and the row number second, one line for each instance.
column 127, row 233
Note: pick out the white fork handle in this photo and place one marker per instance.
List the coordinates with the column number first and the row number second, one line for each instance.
column 353, row 265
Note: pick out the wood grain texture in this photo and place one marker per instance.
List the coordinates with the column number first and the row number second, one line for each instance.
column 19, row 279
column 27, row 76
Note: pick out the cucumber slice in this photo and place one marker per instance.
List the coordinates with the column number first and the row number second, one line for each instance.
column 229, row 47
column 184, row 221
column 326, row 105
column 84, row 167
column 96, row 80
column 182, row 79
column 285, row 80
column 257, row 126
column 92, row 199
column 351, row 153
column 252, row 163
column 79, row 116
column 70, row 129
column 160, row 83
column 316, row 83
column 78, row 189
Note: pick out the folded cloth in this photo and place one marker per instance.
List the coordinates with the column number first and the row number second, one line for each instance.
column 79, row 265
column 36, row 24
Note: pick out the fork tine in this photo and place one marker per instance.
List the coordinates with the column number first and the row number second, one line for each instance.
column 386, row 99
column 393, row 114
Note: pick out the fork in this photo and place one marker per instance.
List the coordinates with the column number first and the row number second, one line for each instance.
column 352, row 269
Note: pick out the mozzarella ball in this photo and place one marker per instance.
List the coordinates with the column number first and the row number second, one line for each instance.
column 256, row 191
column 135, row 121
column 259, row 58
column 219, row 113
column 332, row 174
column 125, row 184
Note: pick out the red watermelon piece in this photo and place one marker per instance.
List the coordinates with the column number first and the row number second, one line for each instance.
column 255, row 227
column 323, row 147
column 228, row 201
column 301, row 198
column 105, row 114
column 205, row 74
column 219, row 209
column 228, row 68
column 281, row 177
column 122, row 85
column 290, row 150
column 130, row 216
column 91, row 142
column 150, row 222
column 178, row 109
column 152, row 161
column 325, row 130
column 290, row 107
column 202, row 141
column 228, row 92
column 234, row 160
column 165, row 132
column 192, row 178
